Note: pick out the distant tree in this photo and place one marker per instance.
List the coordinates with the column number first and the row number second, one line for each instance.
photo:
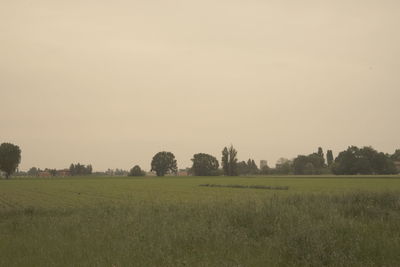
column 309, row 169
column 299, row 164
column 33, row 171
column 317, row 161
column 249, row 167
column 396, row 155
column 164, row 163
column 283, row 166
column 229, row 161
column 321, row 154
column 242, row 168
column 311, row 164
column 79, row 169
column 252, row 167
column 265, row 170
column 89, row 169
column 136, row 171
column 204, row 165
column 364, row 160
column 10, row 157
column 329, row 157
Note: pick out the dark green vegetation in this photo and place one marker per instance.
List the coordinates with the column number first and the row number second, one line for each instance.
column 172, row 221
column 136, row 171
column 364, row 160
column 10, row 157
column 164, row 163
column 229, row 161
column 204, row 165
column 247, row 186
column 80, row 169
column 352, row 161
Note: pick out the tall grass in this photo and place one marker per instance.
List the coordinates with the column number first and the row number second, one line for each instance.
column 357, row 229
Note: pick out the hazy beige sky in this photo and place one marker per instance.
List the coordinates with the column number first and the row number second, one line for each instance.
column 113, row 82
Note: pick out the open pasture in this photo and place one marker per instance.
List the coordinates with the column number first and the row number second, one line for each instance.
column 172, row 221
column 91, row 191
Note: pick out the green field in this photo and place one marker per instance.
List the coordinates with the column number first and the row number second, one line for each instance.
column 172, row 221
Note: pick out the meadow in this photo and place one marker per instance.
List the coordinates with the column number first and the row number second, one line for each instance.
column 173, row 221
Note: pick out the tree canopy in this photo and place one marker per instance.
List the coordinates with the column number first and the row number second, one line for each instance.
column 204, row 165
column 10, row 157
column 80, row 169
column 164, row 163
column 311, row 164
column 364, row 160
column 136, row 171
column 249, row 167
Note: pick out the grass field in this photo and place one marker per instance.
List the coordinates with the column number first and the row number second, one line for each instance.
column 172, row 221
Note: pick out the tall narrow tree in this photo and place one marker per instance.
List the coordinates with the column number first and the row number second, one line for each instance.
column 329, row 157
column 229, row 161
column 321, row 154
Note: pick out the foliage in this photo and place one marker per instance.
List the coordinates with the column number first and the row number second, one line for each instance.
column 311, row 164
column 10, row 157
column 229, row 161
column 33, row 171
column 329, row 157
column 396, row 155
column 136, row 171
column 250, row 167
column 320, row 153
column 364, row 160
column 79, row 169
column 164, row 163
column 265, row 170
column 204, row 165
column 283, row 166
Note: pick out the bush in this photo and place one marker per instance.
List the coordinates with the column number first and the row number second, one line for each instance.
column 136, row 171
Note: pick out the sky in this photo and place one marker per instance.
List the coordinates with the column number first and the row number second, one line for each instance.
column 111, row 83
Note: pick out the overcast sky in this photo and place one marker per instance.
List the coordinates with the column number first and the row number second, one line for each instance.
column 113, row 82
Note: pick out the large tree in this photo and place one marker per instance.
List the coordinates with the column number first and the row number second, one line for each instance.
column 364, row 160
column 10, row 157
column 229, row 161
column 163, row 163
column 204, row 165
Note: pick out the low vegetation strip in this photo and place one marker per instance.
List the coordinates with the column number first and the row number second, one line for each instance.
column 247, row 186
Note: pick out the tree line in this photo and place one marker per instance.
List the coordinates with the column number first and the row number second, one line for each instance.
column 352, row 161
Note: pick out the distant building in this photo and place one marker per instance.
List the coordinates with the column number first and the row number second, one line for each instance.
column 182, row 173
column 44, row 174
column 263, row 163
column 63, row 173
